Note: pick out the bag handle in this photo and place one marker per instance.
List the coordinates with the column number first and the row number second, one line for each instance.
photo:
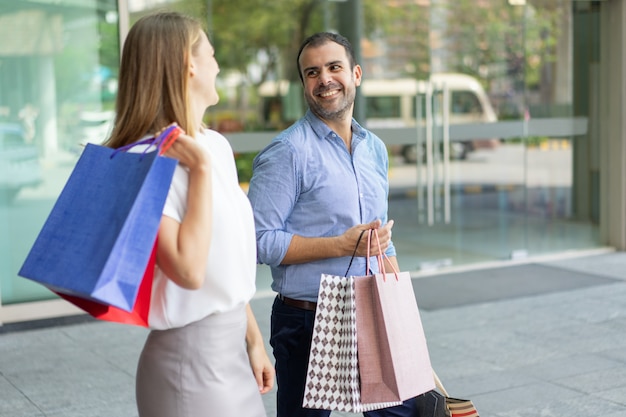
column 171, row 134
column 439, row 385
column 380, row 257
column 162, row 141
column 354, row 253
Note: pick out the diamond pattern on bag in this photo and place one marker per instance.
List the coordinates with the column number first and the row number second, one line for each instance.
column 332, row 381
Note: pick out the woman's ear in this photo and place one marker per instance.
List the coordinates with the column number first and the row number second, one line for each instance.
column 191, row 67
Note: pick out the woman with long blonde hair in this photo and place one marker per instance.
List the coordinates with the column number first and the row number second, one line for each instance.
column 204, row 355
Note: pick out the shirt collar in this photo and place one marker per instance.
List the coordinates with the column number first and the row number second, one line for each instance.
column 322, row 130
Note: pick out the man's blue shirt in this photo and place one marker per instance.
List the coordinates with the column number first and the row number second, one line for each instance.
column 305, row 182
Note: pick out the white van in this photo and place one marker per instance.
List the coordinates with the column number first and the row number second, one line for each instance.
column 392, row 103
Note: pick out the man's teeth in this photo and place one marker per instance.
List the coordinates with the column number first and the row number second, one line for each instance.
column 329, row 93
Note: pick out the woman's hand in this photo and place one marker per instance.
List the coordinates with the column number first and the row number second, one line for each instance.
column 187, row 151
column 262, row 368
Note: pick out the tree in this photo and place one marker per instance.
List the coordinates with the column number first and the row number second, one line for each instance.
column 493, row 40
column 259, row 39
column 405, row 29
column 245, row 30
column 257, row 32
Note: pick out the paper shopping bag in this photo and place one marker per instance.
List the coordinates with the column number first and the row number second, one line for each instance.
column 332, row 381
column 394, row 364
column 97, row 241
column 138, row 316
column 455, row 407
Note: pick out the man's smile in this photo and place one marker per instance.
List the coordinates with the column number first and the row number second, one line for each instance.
column 330, row 93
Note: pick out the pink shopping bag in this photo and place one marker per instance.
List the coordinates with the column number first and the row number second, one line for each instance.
column 394, row 364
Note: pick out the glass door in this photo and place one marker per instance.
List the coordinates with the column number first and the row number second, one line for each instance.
column 489, row 171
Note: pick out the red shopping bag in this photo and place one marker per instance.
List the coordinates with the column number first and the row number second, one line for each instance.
column 138, row 316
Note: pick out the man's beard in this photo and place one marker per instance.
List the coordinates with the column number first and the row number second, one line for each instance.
column 338, row 113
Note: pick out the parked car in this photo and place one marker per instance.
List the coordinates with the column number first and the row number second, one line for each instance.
column 19, row 161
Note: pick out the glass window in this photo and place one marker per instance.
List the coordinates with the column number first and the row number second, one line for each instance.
column 383, row 107
column 58, row 67
column 465, row 102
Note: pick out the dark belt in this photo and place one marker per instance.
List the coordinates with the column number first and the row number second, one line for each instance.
column 304, row 305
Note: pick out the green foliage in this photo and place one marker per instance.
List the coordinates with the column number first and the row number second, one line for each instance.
column 530, row 141
column 74, row 71
column 409, row 21
column 506, row 46
column 109, row 45
column 243, row 161
column 242, row 31
column 494, row 38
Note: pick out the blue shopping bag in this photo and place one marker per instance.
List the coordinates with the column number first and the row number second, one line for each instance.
column 99, row 236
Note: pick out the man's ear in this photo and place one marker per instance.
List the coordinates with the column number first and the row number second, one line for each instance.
column 358, row 73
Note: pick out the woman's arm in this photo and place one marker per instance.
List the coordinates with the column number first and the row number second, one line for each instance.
column 259, row 361
column 183, row 248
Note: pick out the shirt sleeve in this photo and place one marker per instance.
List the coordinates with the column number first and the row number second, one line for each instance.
column 176, row 202
column 383, row 156
column 272, row 192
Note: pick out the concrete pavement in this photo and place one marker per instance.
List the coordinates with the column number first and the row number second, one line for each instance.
column 540, row 338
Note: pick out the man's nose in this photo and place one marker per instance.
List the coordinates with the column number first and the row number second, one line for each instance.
column 324, row 78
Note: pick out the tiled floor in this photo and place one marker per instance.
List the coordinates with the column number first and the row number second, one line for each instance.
column 555, row 350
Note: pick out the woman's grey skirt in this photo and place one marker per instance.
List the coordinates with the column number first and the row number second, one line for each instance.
column 200, row 370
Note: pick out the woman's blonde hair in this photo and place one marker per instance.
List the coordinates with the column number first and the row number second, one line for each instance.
column 153, row 77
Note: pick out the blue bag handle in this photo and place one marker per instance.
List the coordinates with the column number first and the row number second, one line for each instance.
column 162, row 141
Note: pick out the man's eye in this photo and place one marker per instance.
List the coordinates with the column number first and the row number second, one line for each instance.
column 311, row 73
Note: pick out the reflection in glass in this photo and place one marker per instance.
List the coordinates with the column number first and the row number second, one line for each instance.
column 58, row 71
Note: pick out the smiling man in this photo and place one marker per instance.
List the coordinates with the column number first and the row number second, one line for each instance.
column 314, row 189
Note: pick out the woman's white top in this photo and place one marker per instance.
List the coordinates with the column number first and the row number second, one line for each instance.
column 231, row 269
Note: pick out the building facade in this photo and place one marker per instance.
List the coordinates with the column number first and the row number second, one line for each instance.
column 544, row 176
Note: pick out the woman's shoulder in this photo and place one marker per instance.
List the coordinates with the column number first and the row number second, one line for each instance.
column 214, row 139
column 207, row 133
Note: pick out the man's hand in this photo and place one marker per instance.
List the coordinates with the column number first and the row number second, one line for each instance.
column 384, row 237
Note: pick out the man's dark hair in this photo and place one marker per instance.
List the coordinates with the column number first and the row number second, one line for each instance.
column 321, row 38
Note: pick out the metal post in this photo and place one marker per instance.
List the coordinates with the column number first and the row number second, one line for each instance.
column 446, row 154
column 351, row 26
column 430, row 170
column 123, row 19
